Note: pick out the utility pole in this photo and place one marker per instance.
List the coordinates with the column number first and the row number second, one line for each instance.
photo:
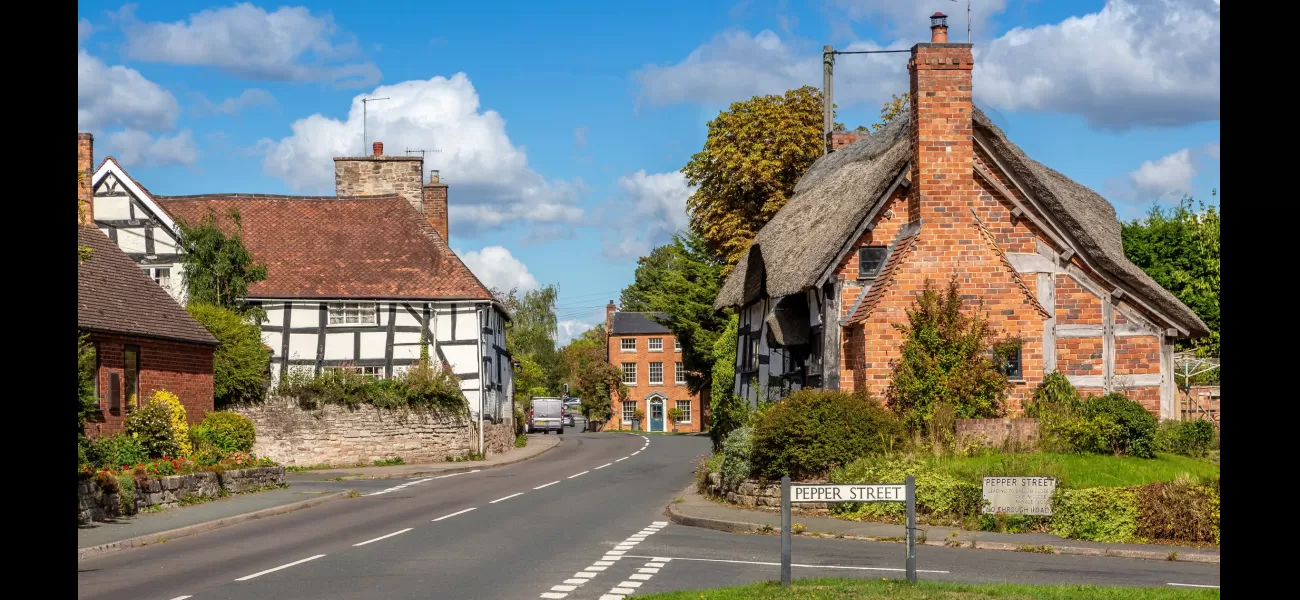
column 828, row 110
column 364, row 102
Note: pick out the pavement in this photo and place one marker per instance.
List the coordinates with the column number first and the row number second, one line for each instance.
column 306, row 489
column 585, row 520
column 698, row 511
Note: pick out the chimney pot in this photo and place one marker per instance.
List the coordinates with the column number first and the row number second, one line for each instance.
column 938, row 28
column 433, row 176
column 379, row 148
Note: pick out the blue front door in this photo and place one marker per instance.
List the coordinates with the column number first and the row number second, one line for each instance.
column 656, row 415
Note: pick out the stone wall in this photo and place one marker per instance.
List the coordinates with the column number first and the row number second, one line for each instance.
column 337, row 435
column 997, row 432
column 381, row 176
column 754, row 493
column 498, row 438
column 95, row 503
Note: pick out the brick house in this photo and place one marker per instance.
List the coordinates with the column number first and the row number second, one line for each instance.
column 943, row 193
column 144, row 341
column 651, row 360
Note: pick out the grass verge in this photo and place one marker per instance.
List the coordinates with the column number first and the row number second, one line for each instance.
column 1077, row 470
column 864, row 589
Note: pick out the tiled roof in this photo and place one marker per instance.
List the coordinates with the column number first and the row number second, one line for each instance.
column 632, row 323
column 884, row 280
column 339, row 247
column 115, row 295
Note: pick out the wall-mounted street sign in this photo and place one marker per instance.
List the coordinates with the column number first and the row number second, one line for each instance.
column 870, row 492
column 1019, row 495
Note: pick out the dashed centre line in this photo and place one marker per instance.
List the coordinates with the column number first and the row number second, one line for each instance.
column 603, row 466
column 547, row 485
column 453, row 514
column 579, row 474
column 383, row 537
column 506, row 498
column 296, row 562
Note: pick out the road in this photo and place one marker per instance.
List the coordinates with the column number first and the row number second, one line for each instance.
column 584, row 520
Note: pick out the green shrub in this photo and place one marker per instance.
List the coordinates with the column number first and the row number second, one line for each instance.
column 152, row 425
column 126, row 494
column 116, row 451
column 1180, row 512
column 736, row 455
column 945, row 359
column 704, row 465
column 229, row 432
column 421, row 387
column 813, row 431
column 940, row 496
column 1097, row 514
column 1137, row 426
column 240, row 367
column 726, row 411
column 1189, row 438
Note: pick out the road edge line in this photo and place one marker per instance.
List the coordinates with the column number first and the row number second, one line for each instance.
column 188, row 530
column 451, row 471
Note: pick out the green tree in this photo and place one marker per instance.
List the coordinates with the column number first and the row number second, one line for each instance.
column 945, row 361
column 87, row 403
column 217, row 267
column 726, row 411
column 591, row 377
column 754, row 154
column 240, row 366
column 1179, row 248
column 894, row 107
column 83, row 252
column 530, row 338
column 681, row 280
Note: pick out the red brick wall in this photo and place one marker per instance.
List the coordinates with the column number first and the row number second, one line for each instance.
column 638, row 393
column 180, row 368
column 86, row 164
column 435, row 208
column 840, row 139
column 1136, row 355
column 1079, row 356
column 1148, row 397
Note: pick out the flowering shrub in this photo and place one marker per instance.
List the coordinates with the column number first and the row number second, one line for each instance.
column 180, row 427
column 152, row 425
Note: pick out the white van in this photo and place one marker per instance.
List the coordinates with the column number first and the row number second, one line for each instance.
column 546, row 415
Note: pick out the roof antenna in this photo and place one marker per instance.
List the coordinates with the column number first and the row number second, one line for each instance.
column 365, row 101
column 967, row 20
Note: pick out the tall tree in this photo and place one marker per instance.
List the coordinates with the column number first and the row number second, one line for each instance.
column 681, row 279
column 591, row 377
column 894, row 107
column 754, row 154
column 217, row 267
column 1179, row 248
column 530, row 338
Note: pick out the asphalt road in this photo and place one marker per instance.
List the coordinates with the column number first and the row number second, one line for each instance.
column 580, row 521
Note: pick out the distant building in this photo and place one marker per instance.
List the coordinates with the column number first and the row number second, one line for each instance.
column 650, row 357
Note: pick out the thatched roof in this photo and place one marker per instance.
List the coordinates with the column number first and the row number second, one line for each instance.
column 787, row 323
column 841, row 189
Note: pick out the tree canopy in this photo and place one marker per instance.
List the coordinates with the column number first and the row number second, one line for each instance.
column 591, row 377
column 530, row 339
column 894, row 107
column 1179, row 248
column 217, row 267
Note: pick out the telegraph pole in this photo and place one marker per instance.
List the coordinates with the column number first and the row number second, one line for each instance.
column 828, row 108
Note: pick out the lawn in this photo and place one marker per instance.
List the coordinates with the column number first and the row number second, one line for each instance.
column 1077, row 470
column 834, row 589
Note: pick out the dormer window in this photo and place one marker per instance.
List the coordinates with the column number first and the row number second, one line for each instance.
column 870, row 260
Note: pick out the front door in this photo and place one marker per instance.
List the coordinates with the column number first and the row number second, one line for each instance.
column 656, row 415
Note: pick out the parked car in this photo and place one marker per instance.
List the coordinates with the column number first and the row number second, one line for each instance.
column 568, row 419
column 572, row 403
column 546, row 415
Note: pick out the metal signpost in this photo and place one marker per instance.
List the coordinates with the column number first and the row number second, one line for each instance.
column 872, row 492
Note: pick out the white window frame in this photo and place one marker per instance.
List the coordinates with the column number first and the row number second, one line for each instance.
column 623, row 345
column 656, row 341
column 152, row 271
column 626, row 373
column 650, row 373
column 677, row 345
column 628, row 415
column 679, row 373
column 685, row 405
column 341, row 310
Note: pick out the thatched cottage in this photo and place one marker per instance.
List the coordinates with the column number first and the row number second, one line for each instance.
column 939, row 194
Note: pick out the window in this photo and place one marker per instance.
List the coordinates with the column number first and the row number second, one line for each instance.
column 629, row 410
column 814, row 361
column 752, row 363
column 656, row 344
column 629, row 373
column 870, row 260
column 131, row 375
column 685, row 407
column 627, row 344
column 161, row 275
column 368, row 371
column 679, row 374
column 1011, row 365
column 677, row 345
column 656, row 373
column 353, row 313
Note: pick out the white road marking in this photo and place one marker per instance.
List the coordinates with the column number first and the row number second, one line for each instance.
column 621, row 459
column 296, row 562
column 450, row 475
column 553, row 595
column 772, row 564
column 649, row 570
column 615, row 553
column 586, row 574
column 602, row 466
column 630, row 584
column 624, row 546
column 563, row 588
column 476, row 470
column 577, row 581
column 549, row 484
column 382, row 537
column 582, row 473
column 1193, row 585
column 506, row 498
column 453, row 514
column 622, row 590
column 636, row 453
column 595, row 568
column 604, row 597
column 181, row 597
column 640, row 576
column 659, row 523
column 603, row 563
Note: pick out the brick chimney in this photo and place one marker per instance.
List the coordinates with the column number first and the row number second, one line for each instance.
column 840, row 139
column 86, row 165
column 943, row 149
column 379, row 175
column 378, row 147
column 609, row 316
column 435, row 204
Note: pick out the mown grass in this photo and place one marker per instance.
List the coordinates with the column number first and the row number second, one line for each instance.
column 1076, row 470
column 864, row 589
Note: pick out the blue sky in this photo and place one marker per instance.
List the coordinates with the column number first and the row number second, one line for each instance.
column 561, row 127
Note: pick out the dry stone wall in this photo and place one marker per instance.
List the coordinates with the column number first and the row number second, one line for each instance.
column 96, row 503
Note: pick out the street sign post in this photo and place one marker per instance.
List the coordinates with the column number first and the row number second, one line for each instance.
column 873, row 492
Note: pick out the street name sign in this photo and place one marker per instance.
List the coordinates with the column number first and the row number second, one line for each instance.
column 866, row 492
column 849, row 493
column 1018, row 495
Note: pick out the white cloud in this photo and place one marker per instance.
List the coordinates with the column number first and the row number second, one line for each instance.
column 289, row 44
column 499, row 269
column 231, row 106
column 1212, row 150
column 569, row 330
column 491, row 182
column 1166, row 178
column 109, row 97
column 648, row 211
column 1135, row 62
column 135, row 147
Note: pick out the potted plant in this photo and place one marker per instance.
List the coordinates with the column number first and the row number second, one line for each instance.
column 674, row 415
column 637, row 415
